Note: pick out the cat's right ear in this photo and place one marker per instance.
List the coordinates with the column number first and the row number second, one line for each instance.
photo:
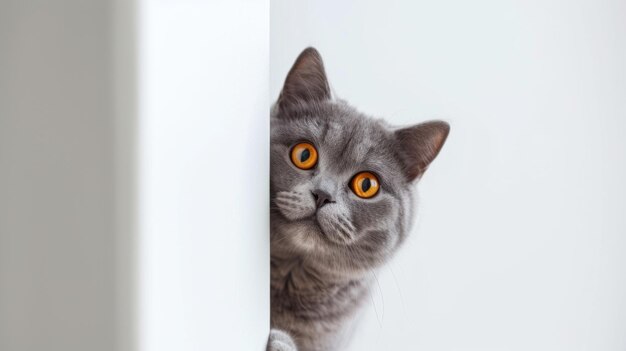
column 306, row 81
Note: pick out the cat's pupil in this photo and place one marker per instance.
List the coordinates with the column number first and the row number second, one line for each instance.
column 366, row 184
column 305, row 155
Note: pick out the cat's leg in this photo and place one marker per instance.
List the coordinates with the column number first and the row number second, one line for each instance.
column 280, row 341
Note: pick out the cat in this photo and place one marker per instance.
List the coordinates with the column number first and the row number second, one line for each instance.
column 342, row 189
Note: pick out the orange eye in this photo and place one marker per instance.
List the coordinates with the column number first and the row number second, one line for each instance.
column 365, row 185
column 304, row 155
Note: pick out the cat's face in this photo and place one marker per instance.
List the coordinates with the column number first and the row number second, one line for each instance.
column 341, row 182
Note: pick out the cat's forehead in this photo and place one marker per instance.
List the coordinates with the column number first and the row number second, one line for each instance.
column 354, row 143
column 345, row 138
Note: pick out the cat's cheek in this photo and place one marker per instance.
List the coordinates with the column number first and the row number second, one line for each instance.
column 290, row 214
column 294, row 211
column 336, row 225
column 297, row 203
column 377, row 213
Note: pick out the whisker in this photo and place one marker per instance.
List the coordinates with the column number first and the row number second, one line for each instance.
column 382, row 298
column 289, row 196
column 346, row 233
column 393, row 274
column 380, row 325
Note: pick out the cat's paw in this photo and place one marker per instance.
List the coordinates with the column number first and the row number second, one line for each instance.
column 280, row 341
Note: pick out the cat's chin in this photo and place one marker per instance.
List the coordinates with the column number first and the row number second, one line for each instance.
column 310, row 236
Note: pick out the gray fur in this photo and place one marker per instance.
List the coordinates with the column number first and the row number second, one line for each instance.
column 322, row 258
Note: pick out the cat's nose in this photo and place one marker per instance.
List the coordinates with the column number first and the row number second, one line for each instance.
column 321, row 198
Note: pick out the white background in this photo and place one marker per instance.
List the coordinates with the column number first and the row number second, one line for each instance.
column 521, row 237
column 203, row 175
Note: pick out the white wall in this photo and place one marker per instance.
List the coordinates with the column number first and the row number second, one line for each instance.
column 521, row 237
column 203, row 175
column 129, row 225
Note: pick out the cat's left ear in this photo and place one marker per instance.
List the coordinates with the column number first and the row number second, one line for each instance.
column 306, row 81
column 419, row 145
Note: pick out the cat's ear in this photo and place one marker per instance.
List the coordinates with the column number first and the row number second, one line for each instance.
column 306, row 81
column 419, row 145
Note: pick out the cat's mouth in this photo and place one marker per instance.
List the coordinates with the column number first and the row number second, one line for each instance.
column 312, row 224
column 316, row 228
column 326, row 225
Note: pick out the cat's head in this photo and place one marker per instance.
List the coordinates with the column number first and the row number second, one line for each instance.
column 342, row 182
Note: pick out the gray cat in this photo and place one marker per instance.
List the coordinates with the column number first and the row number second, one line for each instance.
column 341, row 204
